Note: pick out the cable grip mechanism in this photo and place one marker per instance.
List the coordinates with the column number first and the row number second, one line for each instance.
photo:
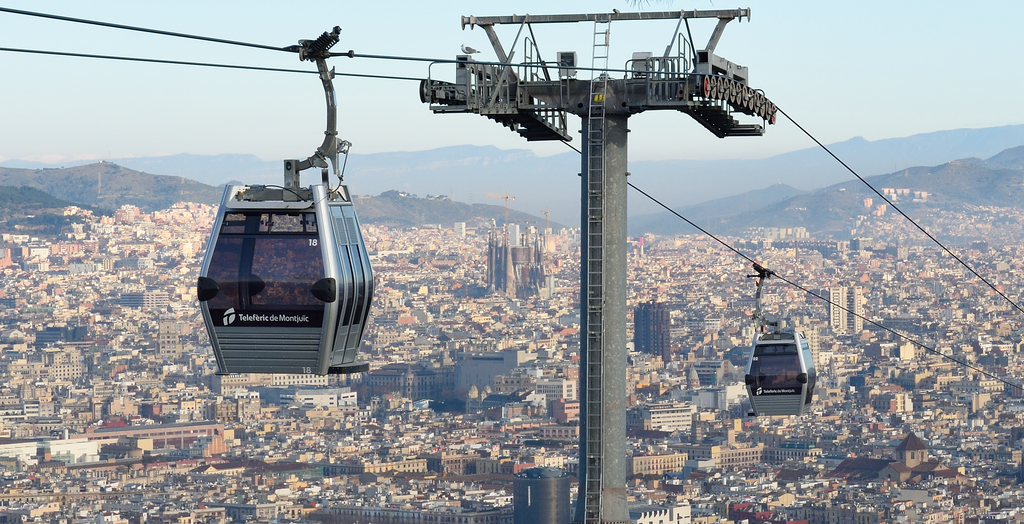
column 318, row 50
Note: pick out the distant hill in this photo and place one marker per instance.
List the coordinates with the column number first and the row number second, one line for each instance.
column 110, row 186
column 1012, row 158
column 27, row 210
column 831, row 210
column 714, row 211
column 209, row 169
column 950, row 186
column 399, row 209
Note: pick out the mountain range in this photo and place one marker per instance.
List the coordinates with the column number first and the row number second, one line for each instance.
column 103, row 186
column 994, row 178
column 469, row 173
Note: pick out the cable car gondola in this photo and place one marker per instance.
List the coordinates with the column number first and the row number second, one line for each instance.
column 286, row 283
column 780, row 374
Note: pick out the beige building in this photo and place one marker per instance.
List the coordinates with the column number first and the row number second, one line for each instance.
column 725, row 456
column 662, row 416
column 557, row 387
column 356, row 467
column 656, row 464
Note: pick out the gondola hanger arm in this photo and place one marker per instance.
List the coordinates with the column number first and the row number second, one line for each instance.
column 327, row 154
column 762, row 275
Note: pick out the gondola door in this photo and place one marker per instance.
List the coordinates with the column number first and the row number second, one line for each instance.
column 256, row 289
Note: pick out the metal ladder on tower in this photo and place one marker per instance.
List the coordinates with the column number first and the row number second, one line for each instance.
column 595, row 271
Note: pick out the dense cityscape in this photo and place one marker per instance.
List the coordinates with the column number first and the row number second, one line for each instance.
column 112, row 410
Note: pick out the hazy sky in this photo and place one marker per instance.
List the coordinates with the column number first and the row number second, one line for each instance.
column 876, row 69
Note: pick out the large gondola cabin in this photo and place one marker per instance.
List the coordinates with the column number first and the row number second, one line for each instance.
column 286, row 283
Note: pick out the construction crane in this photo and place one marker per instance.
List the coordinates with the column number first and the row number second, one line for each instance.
column 506, row 198
column 544, row 246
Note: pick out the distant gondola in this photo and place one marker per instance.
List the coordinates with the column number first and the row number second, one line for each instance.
column 286, row 283
column 780, row 374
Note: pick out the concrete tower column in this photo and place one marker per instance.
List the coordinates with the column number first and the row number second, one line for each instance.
column 613, row 320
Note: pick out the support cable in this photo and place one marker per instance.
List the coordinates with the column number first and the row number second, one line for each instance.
column 201, row 64
column 150, row 60
column 796, row 285
column 287, row 49
column 142, row 29
column 702, row 230
column 900, row 211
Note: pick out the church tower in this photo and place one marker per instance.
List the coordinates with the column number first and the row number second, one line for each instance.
column 912, row 451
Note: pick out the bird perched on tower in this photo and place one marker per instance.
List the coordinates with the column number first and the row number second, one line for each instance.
column 469, row 50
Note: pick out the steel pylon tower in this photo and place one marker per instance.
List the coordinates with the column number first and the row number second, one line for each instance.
column 591, row 454
column 525, row 98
